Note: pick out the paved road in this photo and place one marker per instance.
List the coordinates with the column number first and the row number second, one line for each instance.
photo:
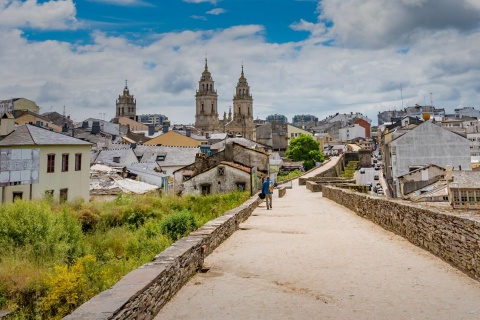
column 310, row 258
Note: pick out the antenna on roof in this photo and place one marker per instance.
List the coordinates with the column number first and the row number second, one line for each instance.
column 431, row 99
column 401, row 93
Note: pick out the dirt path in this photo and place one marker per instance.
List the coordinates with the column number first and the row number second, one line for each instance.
column 310, row 258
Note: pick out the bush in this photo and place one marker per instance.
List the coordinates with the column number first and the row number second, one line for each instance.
column 178, row 224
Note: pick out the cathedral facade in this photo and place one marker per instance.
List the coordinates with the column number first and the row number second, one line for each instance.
column 206, row 115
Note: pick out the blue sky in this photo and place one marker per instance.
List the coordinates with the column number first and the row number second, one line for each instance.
column 300, row 56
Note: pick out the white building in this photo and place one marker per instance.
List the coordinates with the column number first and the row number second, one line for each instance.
column 351, row 132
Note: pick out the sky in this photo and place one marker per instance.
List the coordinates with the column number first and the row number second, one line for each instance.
column 314, row 57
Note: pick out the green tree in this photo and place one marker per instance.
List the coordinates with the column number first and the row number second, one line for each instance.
column 305, row 148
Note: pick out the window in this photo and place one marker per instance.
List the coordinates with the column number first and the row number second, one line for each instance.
column 65, row 162
column 51, row 163
column 63, row 195
column 78, row 161
column 464, row 196
column 17, row 195
column 205, row 189
column 221, row 171
column 471, row 196
column 161, row 158
column 241, row 186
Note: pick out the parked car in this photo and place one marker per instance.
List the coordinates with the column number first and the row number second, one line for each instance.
column 362, row 171
column 375, row 177
column 380, row 192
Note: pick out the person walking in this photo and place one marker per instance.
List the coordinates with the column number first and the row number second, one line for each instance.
column 267, row 189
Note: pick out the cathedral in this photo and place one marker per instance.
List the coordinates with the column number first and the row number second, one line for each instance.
column 126, row 105
column 206, row 114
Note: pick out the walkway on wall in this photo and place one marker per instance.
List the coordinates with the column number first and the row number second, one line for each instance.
column 310, row 258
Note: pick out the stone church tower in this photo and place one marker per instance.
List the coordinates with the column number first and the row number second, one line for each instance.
column 242, row 122
column 206, row 116
column 126, row 105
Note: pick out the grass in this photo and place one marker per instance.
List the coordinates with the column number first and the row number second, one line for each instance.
column 282, row 176
column 54, row 257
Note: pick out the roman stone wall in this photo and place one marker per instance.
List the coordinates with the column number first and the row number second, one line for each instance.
column 144, row 291
column 453, row 237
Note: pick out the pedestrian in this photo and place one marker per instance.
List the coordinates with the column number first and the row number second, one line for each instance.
column 267, row 189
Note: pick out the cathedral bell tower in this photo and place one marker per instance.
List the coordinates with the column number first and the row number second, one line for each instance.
column 206, row 115
column 243, row 108
column 126, row 105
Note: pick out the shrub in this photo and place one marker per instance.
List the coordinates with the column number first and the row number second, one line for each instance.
column 178, row 224
column 69, row 287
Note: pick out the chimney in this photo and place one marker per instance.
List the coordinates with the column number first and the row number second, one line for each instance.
column 188, row 132
column 165, row 128
column 151, row 129
column 448, row 173
column 95, row 127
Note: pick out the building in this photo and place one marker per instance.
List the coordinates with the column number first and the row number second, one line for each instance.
column 206, row 110
column 126, row 105
column 405, row 150
column 223, row 178
column 294, row 132
column 277, row 118
column 304, row 120
column 351, row 132
column 27, row 117
column 467, row 112
column 155, row 119
column 464, row 189
column 175, row 139
column 273, row 134
column 15, row 104
column 256, row 160
column 169, row 159
column 52, row 164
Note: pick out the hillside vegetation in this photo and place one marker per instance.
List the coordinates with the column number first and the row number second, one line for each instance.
column 54, row 257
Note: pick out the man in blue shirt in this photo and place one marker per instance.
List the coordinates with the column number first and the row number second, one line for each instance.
column 267, row 189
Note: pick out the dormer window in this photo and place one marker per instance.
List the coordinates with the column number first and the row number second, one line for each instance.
column 116, row 159
column 160, row 158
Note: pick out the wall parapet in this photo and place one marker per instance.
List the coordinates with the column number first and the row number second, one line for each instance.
column 452, row 237
column 144, row 291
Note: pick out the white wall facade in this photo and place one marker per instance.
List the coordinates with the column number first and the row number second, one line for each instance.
column 351, row 132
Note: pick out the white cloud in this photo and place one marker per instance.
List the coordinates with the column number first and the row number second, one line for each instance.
column 216, row 11
column 201, row 1
column 126, row 3
column 378, row 23
column 198, row 17
column 50, row 15
column 315, row 29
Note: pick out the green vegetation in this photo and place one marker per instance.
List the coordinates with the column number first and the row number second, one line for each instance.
column 350, row 169
column 305, row 148
column 54, row 257
column 283, row 176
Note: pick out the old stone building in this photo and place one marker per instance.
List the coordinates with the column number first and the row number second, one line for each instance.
column 126, row 105
column 206, row 112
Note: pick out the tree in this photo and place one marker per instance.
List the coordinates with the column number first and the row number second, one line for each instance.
column 305, row 148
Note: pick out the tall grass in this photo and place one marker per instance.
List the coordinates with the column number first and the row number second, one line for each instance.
column 54, row 257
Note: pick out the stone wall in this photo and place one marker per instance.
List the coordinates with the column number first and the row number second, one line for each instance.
column 282, row 191
column 453, row 237
column 143, row 292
